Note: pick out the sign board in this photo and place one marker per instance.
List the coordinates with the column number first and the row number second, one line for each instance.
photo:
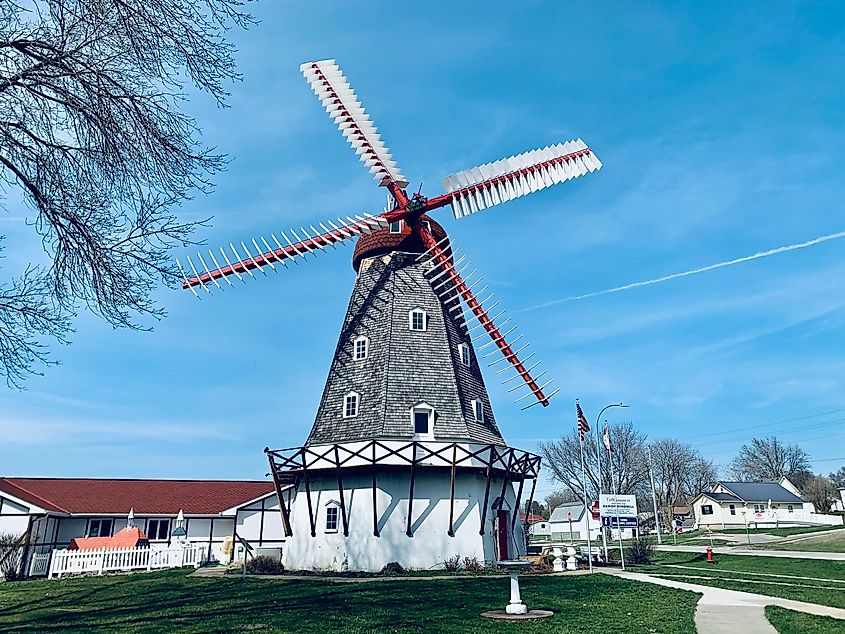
column 625, row 521
column 621, row 505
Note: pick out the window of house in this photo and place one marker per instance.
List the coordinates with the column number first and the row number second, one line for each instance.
column 158, row 528
column 463, row 351
column 478, row 411
column 790, row 508
column 350, row 405
column 707, row 509
column 417, row 319
column 100, row 528
column 362, row 348
column 759, row 508
column 332, row 514
column 732, row 507
column 396, row 227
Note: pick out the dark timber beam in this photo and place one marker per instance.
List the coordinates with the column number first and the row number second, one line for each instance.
column 375, row 494
column 408, row 530
column 311, row 518
column 282, row 507
column 486, row 491
column 452, row 492
column 340, row 491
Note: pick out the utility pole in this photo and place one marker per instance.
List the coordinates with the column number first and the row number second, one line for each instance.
column 654, row 496
column 598, row 456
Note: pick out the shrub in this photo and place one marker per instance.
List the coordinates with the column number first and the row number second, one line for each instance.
column 471, row 564
column 453, row 564
column 264, row 565
column 640, row 551
column 11, row 550
column 392, row 568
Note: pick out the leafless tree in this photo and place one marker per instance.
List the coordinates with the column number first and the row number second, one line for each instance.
column 630, row 475
column 93, row 137
column 770, row 459
column 557, row 498
column 821, row 491
column 838, row 477
column 680, row 472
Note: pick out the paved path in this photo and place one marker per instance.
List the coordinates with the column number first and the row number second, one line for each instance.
column 726, row 550
column 722, row 611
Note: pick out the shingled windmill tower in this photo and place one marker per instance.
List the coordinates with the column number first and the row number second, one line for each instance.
column 405, row 461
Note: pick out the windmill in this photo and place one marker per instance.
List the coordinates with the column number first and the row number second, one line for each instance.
column 405, row 393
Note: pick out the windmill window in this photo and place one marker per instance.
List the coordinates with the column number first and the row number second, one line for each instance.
column 350, row 405
column 422, row 418
column 362, row 348
column 417, row 319
column 396, row 227
column 463, row 352
column 332, row 515
column 478, row 411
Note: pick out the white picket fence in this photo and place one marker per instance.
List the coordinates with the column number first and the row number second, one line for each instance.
column 39, row 564
column 100, row 560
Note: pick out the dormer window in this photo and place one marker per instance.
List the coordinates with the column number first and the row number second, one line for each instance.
column 478, row 411
column 350, row 405
column 463, row 353
column 417, row 319
column 422, row 419
column 396, row 227
column 361, row 347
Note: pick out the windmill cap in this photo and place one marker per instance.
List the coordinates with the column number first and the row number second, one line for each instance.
column 382, row 241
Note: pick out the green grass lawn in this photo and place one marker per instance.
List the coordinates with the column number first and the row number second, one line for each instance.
column 833, row 543
column 780, row 532
column 174, row 602
column 749, row 574
column 791, row 622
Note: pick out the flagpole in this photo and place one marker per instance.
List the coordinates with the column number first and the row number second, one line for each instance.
column 616, row 506
column 586, row 510
column 598, row 454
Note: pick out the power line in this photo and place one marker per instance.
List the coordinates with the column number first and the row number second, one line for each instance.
column 780, row 422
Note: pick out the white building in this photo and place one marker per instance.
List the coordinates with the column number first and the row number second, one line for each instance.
column 50, row 512
column 759, row 504
column 562, row 529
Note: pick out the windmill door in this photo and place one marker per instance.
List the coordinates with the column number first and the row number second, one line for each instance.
column 502, row 534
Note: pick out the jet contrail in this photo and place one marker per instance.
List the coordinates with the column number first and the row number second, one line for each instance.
column 703, row 269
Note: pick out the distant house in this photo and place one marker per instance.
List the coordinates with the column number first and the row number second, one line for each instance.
column 839, row 504
column 539, row 528
column 562, row 529
column 737, row 504
column 52, row 512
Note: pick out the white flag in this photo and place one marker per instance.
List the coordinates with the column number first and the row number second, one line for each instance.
column 606, row 438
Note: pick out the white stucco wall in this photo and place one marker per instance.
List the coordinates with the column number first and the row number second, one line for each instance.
column 430, row 544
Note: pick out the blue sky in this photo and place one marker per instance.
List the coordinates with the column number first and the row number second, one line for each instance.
column 721, row 132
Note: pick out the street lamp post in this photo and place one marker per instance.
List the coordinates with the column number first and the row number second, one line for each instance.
column 598, row 456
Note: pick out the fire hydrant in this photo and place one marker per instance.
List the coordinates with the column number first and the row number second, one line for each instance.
column 710, row 555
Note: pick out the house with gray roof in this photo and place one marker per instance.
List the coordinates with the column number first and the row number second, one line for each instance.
column 758, row 504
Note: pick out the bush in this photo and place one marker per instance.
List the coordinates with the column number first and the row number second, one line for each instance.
column 640, row 551
column 452, row 564
column 11, row 550
column 264, row 565
column 392, row 568
column 471, row 564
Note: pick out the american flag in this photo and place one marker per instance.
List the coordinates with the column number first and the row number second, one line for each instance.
column 583, row 425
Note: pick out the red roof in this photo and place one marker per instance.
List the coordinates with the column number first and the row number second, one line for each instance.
column 532, row 518
column 90, row 496
column 124, row 538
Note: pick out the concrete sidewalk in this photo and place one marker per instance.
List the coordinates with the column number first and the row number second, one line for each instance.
column 728, row 550
column 722, row 611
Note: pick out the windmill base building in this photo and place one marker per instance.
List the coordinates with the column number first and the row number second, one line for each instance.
column 405, row 462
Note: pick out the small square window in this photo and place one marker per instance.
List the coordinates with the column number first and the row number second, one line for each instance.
column 790, row 508
column 396, row 227
column 350, row 405
column 707, row 509
column 100, row 528
column 478, row 411
column 463, row 351
column 158, row 529
column 331, row 519
column 732, row 507
column 362, row 345
column 417, row 319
